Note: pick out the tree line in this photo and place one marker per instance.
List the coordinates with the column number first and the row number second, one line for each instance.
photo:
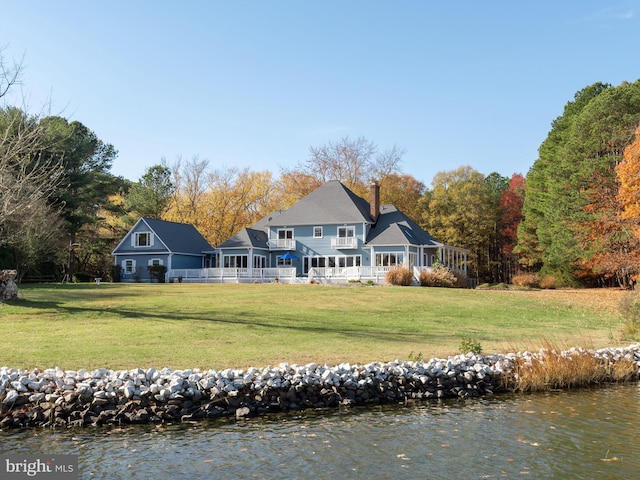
column 574, row 216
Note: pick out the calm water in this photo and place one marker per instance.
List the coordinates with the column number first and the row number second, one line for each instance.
column 589, row 434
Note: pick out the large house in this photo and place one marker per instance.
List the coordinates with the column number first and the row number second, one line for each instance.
column 331, row 235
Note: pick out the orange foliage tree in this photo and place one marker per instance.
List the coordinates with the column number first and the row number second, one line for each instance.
column 612, row 230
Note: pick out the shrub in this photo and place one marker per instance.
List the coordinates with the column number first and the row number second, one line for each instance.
column 530, row 280
column 416, row 357
column 548, row 282
column 629, row 308
column 439, row 276
column 470, row 345
column 157, row 272
column 399, row 276
column 116, row 273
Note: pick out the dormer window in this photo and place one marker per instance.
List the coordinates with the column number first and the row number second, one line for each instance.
column 143, row 239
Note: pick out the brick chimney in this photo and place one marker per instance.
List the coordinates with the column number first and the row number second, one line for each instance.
column 374, row 200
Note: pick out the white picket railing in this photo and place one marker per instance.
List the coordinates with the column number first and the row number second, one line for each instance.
column 230, row 274
column 284, row 275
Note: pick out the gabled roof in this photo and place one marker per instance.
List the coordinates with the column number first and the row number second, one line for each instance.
column 330, row 203
column 176, row 237
column 395, row 228
column 247, row 238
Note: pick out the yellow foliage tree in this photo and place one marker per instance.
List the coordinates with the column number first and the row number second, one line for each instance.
column 222, row 202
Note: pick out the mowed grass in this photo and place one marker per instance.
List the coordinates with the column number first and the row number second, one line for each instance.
column 123, row 326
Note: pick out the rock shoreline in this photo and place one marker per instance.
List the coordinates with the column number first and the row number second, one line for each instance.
column 66, row 398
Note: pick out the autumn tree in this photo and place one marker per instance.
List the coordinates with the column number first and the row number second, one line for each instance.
column 191, row 179
column 619, row 232
column 456, row 211
column 628, row 176
column 235, row 199
column 403, row 191
column 294, row 185
column 221, row 202
column 511, row 202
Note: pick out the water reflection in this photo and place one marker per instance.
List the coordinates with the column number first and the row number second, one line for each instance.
column 580, row 434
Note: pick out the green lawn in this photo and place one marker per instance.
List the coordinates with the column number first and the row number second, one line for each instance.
column 221, row 326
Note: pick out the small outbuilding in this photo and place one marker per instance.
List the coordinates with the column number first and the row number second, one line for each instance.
column 153, row 247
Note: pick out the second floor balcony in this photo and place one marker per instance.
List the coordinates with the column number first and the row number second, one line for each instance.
column 282, row 244
column 344, row 242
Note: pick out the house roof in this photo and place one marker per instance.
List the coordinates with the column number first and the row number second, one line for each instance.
column 330, row 203
column 247, row 237
column 176, row 237
column 395, row 228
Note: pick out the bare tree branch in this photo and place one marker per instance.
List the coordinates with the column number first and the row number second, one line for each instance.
column 9, row 74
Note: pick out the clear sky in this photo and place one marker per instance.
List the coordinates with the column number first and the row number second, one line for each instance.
column 256, row 83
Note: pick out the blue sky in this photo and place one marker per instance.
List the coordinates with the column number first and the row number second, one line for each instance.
column 256, row 83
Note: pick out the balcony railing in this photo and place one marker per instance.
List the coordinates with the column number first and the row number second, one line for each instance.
column 282, row 244
column 344, row 242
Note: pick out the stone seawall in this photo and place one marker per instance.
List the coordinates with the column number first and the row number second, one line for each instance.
column 63, row 398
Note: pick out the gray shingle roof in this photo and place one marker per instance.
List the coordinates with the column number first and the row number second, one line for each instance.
column 395, row 228
column 330, row 203
column 245, row 238
column 178, row 237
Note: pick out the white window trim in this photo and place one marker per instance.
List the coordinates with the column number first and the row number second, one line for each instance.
column 285, row 230
column 135, row 236
column 159, row 260
column 347, row 228
column 124, row 266
column 321, row 232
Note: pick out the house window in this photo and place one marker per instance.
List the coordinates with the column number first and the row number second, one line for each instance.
column 349, row 261
column 317, row 232
column 313, row 262
column 284, row 262
column 142, row 239
column 155, row 262
column 128, row 266
column 346, row 232
column 389, row 259
column 236, row 261
column 285, row 234
column 331, row 262
column 259, row 261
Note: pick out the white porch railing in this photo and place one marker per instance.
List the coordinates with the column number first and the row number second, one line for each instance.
column 285, row 274
column 348, row 273
column 204, row 275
